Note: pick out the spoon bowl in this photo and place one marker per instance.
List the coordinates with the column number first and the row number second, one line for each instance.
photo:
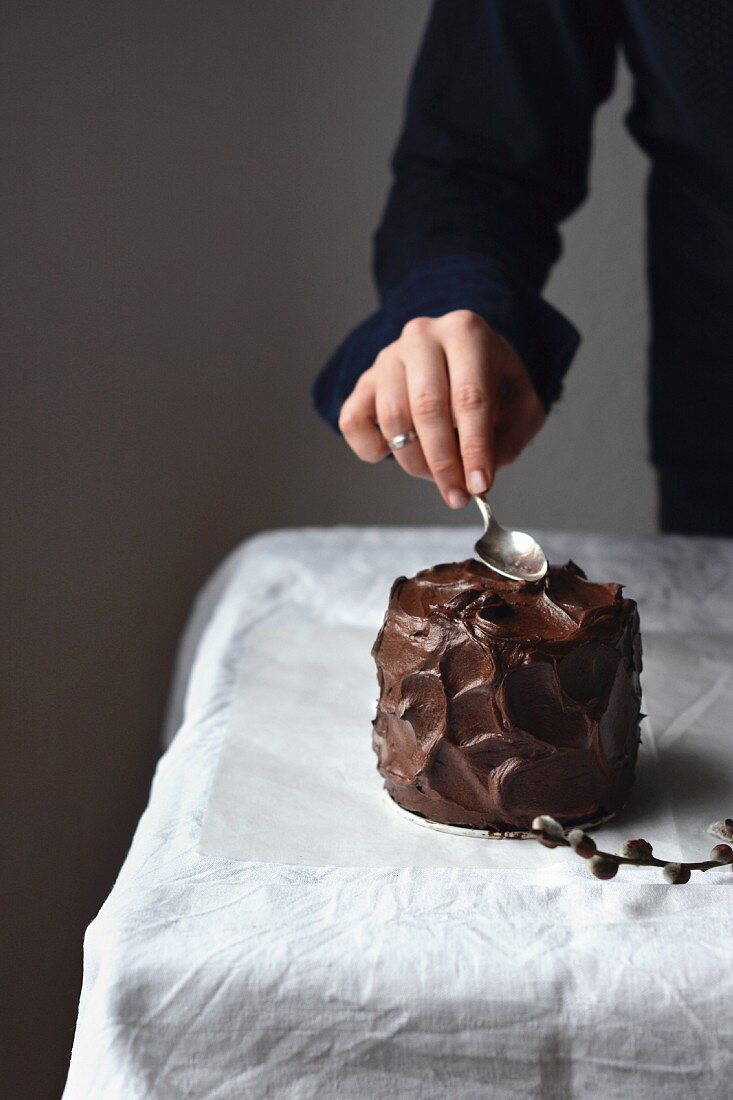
column 511, row 554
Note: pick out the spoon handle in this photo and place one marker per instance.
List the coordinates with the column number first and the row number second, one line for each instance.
column 485, row 509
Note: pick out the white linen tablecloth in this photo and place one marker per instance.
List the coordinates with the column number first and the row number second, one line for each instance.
column 214, row 979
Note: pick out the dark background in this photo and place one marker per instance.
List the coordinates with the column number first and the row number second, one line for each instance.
column 188, row 193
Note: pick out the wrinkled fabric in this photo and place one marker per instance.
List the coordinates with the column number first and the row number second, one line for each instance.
column 297, row 783
column 210, row 978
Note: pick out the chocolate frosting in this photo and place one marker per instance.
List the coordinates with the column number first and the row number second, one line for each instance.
column 501, row 700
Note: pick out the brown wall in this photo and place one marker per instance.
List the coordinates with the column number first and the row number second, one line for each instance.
column 188, row 192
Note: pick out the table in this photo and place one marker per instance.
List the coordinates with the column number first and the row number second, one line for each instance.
column 214, row 979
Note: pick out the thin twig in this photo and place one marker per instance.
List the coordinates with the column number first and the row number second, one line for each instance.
column 634, row 853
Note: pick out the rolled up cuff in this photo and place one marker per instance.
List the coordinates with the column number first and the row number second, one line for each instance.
column 543, row 338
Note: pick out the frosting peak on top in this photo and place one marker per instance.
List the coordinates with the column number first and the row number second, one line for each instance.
column 559, row 608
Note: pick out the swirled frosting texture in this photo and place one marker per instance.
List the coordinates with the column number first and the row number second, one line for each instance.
column 500, row 701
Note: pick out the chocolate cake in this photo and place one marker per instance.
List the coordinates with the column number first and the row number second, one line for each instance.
column 501, row 700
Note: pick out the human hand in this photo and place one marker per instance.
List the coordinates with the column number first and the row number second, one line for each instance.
column 464, row 392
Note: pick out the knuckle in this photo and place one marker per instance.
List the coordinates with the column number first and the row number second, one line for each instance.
column 414, row 469
column 444, row 466
column 349, row 420
column 368, row 450
column 474, row 450
column 428, row 405
column 465, row 320
column 469, row 397
column 391, row 413
column 364, row 382
column 417, row 326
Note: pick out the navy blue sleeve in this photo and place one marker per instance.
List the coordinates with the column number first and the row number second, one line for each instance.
column 493, row 155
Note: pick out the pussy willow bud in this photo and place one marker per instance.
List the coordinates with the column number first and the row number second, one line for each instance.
column 636, row 849
column 722, row 853
column 547, row 825
column 603, row 867
column 584, row 845
column 676, row 874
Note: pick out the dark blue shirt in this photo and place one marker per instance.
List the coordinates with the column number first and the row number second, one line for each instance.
column 494, row 155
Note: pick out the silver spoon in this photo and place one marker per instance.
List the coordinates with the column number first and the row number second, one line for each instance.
column 510, row 553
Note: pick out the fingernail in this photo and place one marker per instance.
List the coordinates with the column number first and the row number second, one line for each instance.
column 457, row 498
column 477, row 481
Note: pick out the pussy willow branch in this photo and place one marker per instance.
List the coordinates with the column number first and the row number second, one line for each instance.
column 634, row 853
